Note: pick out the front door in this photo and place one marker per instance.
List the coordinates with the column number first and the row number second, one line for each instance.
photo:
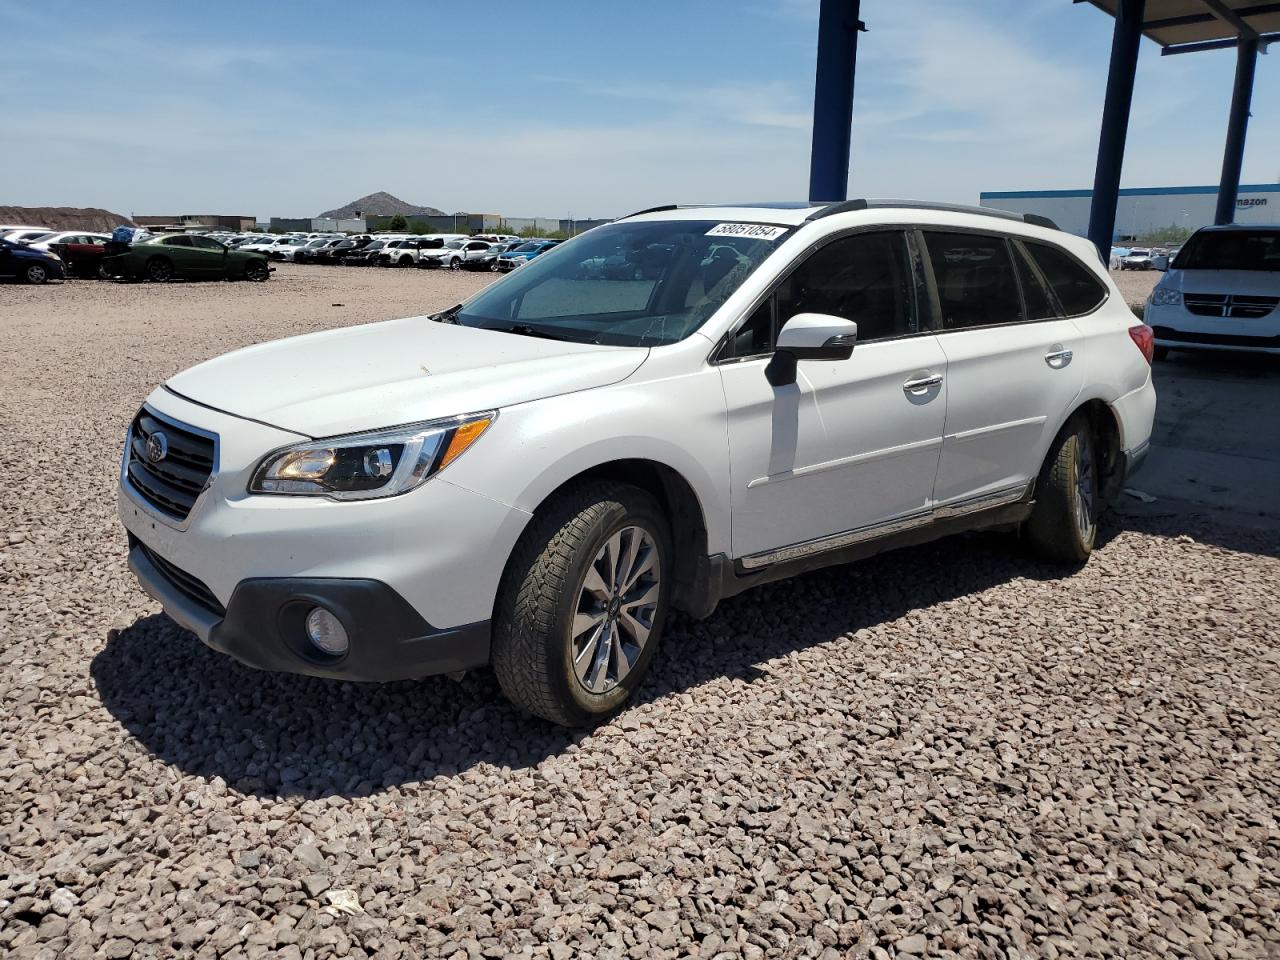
column 1009, row 367
column 853, row 444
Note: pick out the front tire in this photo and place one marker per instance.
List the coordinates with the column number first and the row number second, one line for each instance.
column 1064, row 522
column 36, row 273
column 256, row 270
column 455, row 264
column 582, row 603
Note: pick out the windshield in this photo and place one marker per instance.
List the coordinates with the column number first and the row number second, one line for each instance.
column 376, row 245
column 526, row 247
column 1231, row 250
column 628, row 284
column 454, row 245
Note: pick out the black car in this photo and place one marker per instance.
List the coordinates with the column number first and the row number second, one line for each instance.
column 312, row 252
column 364, row 255
column 20, row 262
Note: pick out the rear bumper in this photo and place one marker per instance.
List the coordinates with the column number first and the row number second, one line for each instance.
column 263, row 624
column 1131, row 461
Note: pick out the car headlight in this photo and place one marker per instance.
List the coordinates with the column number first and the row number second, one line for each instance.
column 1166, row 297
column 364, row 466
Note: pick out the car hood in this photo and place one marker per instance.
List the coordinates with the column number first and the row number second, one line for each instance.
column 400, row 371
column 1254, row 283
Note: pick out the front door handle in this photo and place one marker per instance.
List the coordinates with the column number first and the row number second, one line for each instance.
column 920, row 386
column 1058, row 357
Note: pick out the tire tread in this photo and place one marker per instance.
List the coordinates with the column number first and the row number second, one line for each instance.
column 528, row 598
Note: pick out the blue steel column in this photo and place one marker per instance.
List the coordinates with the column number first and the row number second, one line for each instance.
column 1115, row 123
column 1237, row 126
column 838, row 27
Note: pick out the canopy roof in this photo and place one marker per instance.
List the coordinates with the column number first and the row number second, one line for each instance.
column 1185, row 25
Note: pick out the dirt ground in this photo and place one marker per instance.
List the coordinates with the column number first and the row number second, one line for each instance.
column 949, row 751
column 1136, row 285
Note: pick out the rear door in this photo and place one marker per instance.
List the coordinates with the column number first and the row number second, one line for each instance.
column 179, row 250
column 1010, row 373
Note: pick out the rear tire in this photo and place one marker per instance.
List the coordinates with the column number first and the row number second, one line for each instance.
column 581, row 607
column 159, row 269
column 1064, row 522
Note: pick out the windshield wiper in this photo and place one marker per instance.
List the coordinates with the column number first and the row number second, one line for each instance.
column 447, row 316
column 524, row 330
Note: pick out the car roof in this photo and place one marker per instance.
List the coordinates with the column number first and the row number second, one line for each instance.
column 1226, row 227
column 796, row 213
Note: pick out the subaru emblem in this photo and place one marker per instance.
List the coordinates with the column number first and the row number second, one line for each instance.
column 157, row 447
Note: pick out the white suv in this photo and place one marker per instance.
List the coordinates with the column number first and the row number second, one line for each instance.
column 1222, row 292
column 532, row 479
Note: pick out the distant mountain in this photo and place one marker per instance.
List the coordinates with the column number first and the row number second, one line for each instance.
column 380, row 204
column 65, row 218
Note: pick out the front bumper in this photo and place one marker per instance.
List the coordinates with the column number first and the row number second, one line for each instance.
column 1177, row 327
column 430, row 560
column 263, row 625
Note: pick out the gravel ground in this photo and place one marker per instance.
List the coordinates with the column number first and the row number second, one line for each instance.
column 948, row 751
column 1136, row 285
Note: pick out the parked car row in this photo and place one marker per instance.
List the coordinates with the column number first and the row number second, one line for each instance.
column 37, row 254
column 453, row 251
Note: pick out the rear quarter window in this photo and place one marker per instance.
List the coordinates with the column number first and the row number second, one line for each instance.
column 1077, row 288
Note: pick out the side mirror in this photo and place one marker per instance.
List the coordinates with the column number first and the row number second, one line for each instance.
column 810, row 336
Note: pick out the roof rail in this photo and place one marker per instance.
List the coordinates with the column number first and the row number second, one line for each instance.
column 849, row 206
column 659, row 209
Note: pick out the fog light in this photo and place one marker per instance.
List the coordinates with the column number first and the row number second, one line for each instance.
column 326, row 632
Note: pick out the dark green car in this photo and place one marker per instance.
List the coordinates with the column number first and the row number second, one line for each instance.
column 186, row 256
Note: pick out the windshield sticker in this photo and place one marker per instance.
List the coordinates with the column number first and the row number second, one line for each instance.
column 755, row 231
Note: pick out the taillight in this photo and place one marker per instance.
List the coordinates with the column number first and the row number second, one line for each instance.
column 1145, row 338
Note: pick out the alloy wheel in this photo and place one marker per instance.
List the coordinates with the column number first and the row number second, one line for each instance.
column 1084, row 492
column 36, row 273
column 617, row 603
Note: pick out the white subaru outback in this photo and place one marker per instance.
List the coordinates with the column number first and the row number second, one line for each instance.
column 721, row 397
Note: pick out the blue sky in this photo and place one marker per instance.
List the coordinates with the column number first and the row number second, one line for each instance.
column 563, row 106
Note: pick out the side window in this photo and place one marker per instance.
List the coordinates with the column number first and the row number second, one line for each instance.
column 756, row 336
column 977, row 286
column 178, row 242
column 204, row 243
column 1078, row 290
column 1039, row 302
column 865, row 278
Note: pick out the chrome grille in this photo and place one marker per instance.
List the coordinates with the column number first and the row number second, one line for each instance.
column 1231, row 305
column 171, row 484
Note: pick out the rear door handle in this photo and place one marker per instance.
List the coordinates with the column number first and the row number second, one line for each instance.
column 1057, row 357
column 918, row 387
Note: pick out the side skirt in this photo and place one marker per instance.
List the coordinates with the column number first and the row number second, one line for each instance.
column 727, row 578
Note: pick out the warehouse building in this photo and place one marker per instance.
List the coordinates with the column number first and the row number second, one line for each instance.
column 316, row 225
column 1142, row 210
column 178, row 222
